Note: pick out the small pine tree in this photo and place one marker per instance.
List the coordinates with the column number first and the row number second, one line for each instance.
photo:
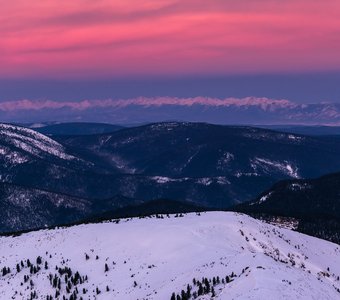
column 188, row 291
column 213, row 292
column 39, row 260
column 57, row 293
column 200, row 289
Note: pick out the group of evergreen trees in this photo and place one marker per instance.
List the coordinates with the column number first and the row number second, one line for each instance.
column 202, row 287
column 70, row 279
column 64, row 274
column 5, row 271
column 33, row 269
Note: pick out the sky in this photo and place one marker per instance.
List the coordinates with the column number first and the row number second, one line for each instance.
column 82, row 49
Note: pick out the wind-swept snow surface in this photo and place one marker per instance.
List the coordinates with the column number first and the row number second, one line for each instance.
column 153, row 258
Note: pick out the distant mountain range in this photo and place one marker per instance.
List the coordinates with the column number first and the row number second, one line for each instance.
column 81, row 128
column 78, row 128
column 306, row 130
column 250, row 110
column 200, row 164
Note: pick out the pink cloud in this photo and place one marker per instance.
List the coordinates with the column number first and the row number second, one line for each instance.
column 263, row 103
column 137, row 37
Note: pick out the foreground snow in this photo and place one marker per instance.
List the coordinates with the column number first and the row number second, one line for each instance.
column 152, row 258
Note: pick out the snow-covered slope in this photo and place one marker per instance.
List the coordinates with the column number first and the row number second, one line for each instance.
column 17, row 144
column 155, row 257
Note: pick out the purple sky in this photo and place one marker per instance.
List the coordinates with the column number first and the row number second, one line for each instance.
column 76, row 51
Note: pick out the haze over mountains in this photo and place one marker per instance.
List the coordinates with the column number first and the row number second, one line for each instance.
column 250, row 110
column 77, row 128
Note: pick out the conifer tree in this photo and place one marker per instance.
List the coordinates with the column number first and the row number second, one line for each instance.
column 188, row 291
column 200, row 289
column 39, row 260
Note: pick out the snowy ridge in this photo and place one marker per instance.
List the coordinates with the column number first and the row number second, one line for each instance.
column 202, row 180
column 300, row 186
column 153, row 258
column 263, row 199
column 31, row 142
column 266, row 164
column 11, row 157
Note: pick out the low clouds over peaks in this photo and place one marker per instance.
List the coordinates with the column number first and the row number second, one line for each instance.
column 249, row 110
